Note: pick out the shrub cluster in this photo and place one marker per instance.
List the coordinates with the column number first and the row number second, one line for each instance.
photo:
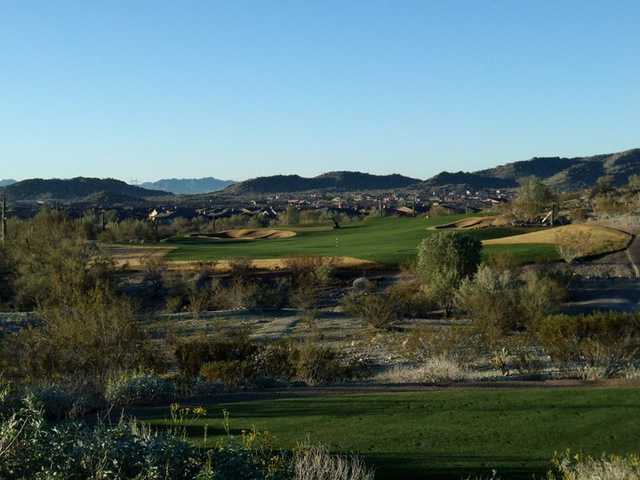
column 610, row 340
column 238, row 361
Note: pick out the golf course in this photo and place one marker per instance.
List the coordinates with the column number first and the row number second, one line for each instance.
column 444, row 433
column 387, row 240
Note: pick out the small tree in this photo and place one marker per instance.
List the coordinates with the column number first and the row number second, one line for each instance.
column 444, row 260
column 533, row 197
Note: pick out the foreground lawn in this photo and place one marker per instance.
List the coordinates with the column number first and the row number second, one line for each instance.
column 442, row 434
column 387, row 240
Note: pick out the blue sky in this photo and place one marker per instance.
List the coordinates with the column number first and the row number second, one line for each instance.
column 145, row 90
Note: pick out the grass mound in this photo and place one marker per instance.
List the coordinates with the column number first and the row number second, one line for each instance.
column 602, row 239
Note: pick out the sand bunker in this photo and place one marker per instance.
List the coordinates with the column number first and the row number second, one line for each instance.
column 272, row 264
column 248, row 234
column 474, row 223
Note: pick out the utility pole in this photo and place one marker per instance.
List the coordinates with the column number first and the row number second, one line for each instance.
column 3, row 219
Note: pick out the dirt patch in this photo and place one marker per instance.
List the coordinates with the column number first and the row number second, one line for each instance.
column 247, row 234
column 604, row 239
column 126, row 256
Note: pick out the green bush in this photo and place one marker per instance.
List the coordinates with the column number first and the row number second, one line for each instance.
column 380, row 310
column 191, row 355
column 500, row 301
column 602, row 339
column 138, row 388
column 445, row 259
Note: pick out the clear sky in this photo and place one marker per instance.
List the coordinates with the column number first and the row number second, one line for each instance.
column 150, row 89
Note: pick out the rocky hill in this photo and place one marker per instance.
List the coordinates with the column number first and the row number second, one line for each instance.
column 565, row 174
column 339, row 181
column 76, row 189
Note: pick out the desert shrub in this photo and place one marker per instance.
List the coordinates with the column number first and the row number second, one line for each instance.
column 501, row 302
column 410, row 300
column 502, row 261
column 309, row 277
column 436, row 370
column 51, row 258
column 492, row 299
column 425, row 342
column 444, row 260
column 277, row 360
column 569, row 466
column 317, row 365
column 55, row 401
column 31, row 448
column 153, row 270
column 315, row 463
column 138, row 388
column 572, row 245
column 86, row 335
column 380, row 310
column 238, row 293
column 271, row 294
column 602, row 339
column 231, row 373
column 608, row 204
column 191, row 355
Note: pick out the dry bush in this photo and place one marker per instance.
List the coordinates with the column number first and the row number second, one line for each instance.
column 309, row 277
column 572, row 245
column 439, row 369
column 610, row 340
column 316, row 463
column 607, row 467
column 456, row 342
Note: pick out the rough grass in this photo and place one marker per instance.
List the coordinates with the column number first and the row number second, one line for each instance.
column 388, row 241
column 447, row 433
column 602, row 239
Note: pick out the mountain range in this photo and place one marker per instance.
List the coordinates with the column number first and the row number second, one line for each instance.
column 566, row 174
column 188, row 186
column 340, row 181
column 6, row 181
column 561, row 173
column 78, row 189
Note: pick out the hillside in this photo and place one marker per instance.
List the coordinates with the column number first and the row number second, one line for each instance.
column 75, row 189
column 7, row 181
column 339, row 181
column 562, row 173
column 188, row 186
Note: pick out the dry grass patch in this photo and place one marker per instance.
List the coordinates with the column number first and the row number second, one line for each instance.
column 602, row 239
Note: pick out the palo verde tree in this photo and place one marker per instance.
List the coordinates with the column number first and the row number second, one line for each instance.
column 533, row 197
column 444, row 260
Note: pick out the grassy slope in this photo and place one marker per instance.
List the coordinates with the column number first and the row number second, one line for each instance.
column 385, row 240
column 445, row 434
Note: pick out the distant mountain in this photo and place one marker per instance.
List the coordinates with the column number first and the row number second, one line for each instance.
column 8, row 181
column 566, row 174
column 339, row 181
column 188, row 186
column 76, row 189
column 469, row 180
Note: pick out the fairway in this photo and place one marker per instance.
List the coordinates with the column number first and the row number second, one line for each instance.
column 442, row 434
column 388, row 240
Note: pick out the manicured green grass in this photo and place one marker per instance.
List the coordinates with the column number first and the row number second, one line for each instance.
column 384, row 240
column 443, row 434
